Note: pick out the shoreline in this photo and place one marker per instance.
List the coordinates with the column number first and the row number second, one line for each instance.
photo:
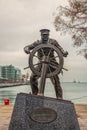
column 5, row 85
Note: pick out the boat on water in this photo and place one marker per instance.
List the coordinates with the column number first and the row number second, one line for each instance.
column 74, row 81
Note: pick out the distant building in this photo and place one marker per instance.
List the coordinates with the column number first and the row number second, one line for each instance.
column 11, row 73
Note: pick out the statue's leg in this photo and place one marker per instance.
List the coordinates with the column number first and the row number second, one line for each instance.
column 58, row 90
column 34, row 83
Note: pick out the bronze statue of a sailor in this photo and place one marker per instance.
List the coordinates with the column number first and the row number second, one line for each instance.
column 34, row 77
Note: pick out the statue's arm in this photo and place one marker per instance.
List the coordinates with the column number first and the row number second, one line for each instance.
column 65, row 53
column 28, row 48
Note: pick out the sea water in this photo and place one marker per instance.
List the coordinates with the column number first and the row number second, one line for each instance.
column 75, row 92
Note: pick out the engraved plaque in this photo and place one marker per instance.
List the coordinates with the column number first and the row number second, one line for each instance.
column 43, row 115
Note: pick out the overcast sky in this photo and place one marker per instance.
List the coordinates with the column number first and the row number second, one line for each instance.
column 20, row 22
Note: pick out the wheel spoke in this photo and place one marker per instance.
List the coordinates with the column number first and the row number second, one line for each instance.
column 49, row 68
column 42, row 51
column 54, row 65
column 54, row 57
column 35, row 56
column 49, row 51
column 55, row 62
column 37, row 64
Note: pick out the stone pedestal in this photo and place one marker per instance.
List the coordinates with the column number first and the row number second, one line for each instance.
column 43, row 113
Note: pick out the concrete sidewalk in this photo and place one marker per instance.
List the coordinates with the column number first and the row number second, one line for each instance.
column 5, row 115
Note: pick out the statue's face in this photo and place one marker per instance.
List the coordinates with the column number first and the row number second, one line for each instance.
column 44, row 37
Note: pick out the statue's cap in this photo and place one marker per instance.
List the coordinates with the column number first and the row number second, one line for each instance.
column 44, row 31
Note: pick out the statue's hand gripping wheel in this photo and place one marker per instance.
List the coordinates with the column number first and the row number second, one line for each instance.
column 50, row 62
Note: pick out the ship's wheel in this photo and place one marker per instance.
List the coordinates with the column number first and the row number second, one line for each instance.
column 50, row 65
column 33, row 59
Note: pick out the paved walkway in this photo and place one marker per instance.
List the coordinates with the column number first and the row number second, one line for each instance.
column 6, row 111
column 5, row 115
column 81, row 111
